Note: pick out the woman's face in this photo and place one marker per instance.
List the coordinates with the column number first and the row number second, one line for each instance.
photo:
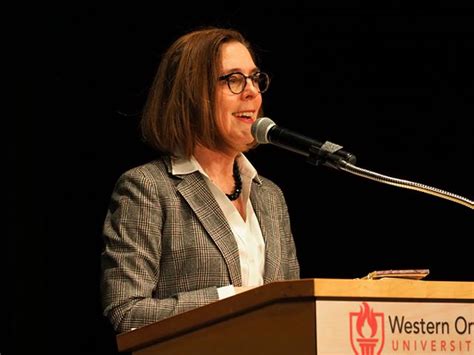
column 237, row 112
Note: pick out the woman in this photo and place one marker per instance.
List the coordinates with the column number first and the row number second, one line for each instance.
column 197, row 224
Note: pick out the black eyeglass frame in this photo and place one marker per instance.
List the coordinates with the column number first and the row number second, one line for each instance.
column 253, row 77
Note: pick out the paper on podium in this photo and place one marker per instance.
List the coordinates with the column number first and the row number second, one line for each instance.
column 414, row 274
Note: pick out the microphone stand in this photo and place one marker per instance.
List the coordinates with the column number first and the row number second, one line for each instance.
column 316, row 158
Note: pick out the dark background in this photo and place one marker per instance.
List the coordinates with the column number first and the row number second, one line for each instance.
column 392, row 84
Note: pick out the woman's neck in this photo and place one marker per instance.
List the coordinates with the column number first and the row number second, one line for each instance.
column 215, row 164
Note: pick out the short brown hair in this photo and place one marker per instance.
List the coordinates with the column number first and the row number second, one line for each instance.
column 180, row 109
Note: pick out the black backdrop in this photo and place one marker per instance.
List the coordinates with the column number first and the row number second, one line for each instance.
column 392, row 84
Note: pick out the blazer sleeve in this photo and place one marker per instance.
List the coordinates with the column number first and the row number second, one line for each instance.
column 292, row 268
column 130, row 261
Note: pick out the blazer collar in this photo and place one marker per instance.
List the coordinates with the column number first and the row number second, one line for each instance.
column 195, row 191
column 188, row 167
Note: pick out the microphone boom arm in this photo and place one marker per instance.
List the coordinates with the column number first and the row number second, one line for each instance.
column 406, row 184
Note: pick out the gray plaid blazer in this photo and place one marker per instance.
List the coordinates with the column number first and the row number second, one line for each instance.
column 168, row 246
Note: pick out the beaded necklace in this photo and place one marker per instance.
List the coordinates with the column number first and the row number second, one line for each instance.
column 238, row 183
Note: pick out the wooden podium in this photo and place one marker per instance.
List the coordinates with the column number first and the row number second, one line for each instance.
column 321, row 316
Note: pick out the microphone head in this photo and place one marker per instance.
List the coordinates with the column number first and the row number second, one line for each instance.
column 260, row 129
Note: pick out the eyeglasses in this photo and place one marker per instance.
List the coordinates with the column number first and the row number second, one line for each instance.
column 237, row 81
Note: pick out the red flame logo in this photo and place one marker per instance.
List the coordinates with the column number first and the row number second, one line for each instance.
column 366, row 331
column 366, row 314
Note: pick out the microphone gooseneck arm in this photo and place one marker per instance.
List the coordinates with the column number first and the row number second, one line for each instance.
column 405, row 184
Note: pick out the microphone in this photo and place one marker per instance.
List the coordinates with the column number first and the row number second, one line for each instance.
column 265, row 131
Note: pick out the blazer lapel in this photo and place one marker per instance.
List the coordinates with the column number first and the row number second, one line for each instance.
column 270, row 232
column 195, row 191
